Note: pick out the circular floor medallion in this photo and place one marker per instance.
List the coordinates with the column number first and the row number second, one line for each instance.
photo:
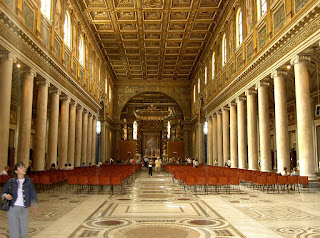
column 109, row 223
column 201, row 222
column 156, row 231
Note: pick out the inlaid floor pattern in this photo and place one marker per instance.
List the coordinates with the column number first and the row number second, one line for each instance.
column 157, row 207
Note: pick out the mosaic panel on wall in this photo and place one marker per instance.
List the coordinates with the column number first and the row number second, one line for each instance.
column 10, row 4
column 67, row 60
column 75, row 67
column 239, row 61
column 262, row 36
column 224, row 78
column 230, row 71
column 279, row 17
column 28, row 14
column 57, row 48
column 300, row 4
column 45, row 33
column 249, row 50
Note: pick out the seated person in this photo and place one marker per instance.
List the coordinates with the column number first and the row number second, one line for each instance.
column 285, row 172
column 295, row 172
column 5, row 171
column 53, row 166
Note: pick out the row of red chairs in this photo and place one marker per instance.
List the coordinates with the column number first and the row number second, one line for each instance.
column 255, row 179
column 90, row 182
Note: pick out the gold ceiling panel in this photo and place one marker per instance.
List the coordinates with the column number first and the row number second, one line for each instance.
column 152, row 39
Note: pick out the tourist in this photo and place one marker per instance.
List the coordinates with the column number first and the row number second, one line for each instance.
column 285, row 172
column 23, row 195
column 158, row 164
column 53, row 166
column 150, row 164
column 5, row 171
column 295, row 172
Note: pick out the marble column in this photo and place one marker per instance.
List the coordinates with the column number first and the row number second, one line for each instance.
column 89, row 143
column 209, row 142
column 281, row 119
column 78, row 136
column 201, row 143
column 233, row 136
column 72, row 133
column 242, row 132
column 53, row 127
column 103, row 143
column 6, row 67
column 214, row 140
column 219, row 139
column 84, row 137
column 264, row 126
column 41, row 125
column 94, row 140
column 225, row 134
column 26, row 117
column 63, row 131
column 304, row 116
column 252, row 130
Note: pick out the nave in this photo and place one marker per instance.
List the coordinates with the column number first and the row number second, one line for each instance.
column 156, row 207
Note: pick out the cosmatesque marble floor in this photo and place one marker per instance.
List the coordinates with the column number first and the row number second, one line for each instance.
column 155, row 207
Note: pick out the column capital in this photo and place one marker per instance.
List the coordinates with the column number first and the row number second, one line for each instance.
column 65, row 98
column 90, row 114
column 55, row 90
column 262, row 83
column 43, row 81
column 232, row 104
column 79, row 107
column 73, row 103
column 29, row 71
column 298, row 58
column 225, row 108
column 250, row 92
column 278, row 73
column 8, row 56
column 241, row 98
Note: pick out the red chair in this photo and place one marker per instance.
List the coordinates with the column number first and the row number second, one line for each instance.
column 115, row 181
column 283, row 182
column 271, row 182
column 189, row 182
column 202, row 181
column 72, row 181
column 93, row 181
column 234, row 181
column 293, row 181
column 213, row 181
column 304, row 182
column 104, row 181
column 224, row 181
column 83, row 182
column 45, row 182
column 262, row 181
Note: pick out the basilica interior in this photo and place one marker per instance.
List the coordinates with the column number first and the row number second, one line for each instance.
column 232, row 83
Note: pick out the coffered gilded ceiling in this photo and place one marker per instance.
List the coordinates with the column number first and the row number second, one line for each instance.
column 152, row 39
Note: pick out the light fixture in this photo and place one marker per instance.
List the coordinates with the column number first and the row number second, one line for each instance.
column 288, row 67
column 18, row 65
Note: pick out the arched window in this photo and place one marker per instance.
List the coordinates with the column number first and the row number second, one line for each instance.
column 81, row 50
column 135, row 130
column 239, row 27
column 205, row 128
column 46, row 8
column 224, row 49
column 67, row 29
column 199, row 85
column 169, row 129
column 194, row 93
column 213, row 65
column 261, row 8
column 205, row 75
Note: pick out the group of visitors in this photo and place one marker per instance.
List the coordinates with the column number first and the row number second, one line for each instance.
column 285, row 172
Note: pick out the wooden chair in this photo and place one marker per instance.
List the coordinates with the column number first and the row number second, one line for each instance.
column 213, row 181
column 304, row 182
